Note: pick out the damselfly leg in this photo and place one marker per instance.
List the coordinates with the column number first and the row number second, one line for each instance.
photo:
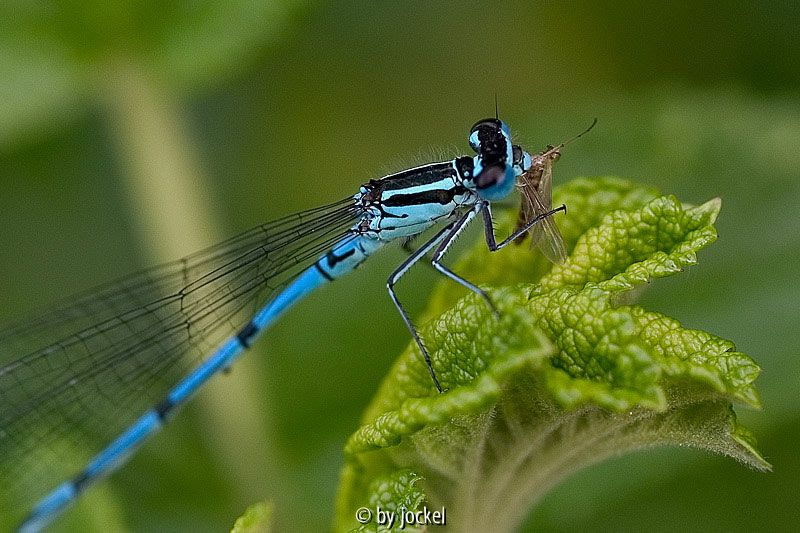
column 395, row 277
column 442, row 241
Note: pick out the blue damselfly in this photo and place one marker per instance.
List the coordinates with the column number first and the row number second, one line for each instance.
column 93, row 365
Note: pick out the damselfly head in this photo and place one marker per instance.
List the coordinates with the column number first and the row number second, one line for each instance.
column 488, row 137
column 494, row 172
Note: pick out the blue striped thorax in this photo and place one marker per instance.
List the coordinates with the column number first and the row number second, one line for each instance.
column 409, row 202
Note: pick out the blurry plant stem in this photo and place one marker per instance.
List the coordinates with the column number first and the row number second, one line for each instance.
column 171, row 205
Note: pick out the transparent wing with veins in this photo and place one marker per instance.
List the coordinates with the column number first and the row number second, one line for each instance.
column 536, row 193
column 536, row 188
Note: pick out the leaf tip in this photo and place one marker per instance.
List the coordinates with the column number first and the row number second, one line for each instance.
column 711, row 209
column 751, row 457
column 256, row 519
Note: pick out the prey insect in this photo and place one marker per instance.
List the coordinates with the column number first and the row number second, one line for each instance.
column 536, row 195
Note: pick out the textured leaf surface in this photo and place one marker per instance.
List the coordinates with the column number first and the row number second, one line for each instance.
column 395, row 493
column 566, row 377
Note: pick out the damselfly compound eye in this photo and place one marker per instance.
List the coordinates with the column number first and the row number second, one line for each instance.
column 517, row 151
column 485, row 133
column 521, row 160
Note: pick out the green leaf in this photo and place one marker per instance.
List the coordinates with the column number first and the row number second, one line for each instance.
column 588, row 200
column 256, row 519
column 566, row 377
column 395, row 493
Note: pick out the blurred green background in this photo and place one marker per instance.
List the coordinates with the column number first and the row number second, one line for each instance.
column 136, row 132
